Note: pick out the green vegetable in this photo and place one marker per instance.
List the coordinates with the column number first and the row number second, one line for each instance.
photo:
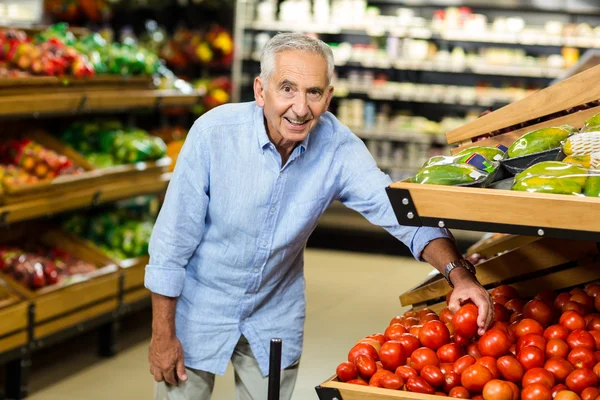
column 592, row 186
column 555, row 169
column 539, row 140
column 451, row 174
column 548, row 184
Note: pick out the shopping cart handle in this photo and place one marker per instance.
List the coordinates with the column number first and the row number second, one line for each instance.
column 274, row 370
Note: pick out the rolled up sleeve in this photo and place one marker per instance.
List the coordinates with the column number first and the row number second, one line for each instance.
column 362, row 188
column 181, row 221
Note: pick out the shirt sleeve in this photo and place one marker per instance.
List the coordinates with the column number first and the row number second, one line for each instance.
column 180, row 223
column 362, row 188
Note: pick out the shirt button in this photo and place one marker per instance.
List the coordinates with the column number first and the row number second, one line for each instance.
column 264, row 243
column 255, row 270
column 272, row 211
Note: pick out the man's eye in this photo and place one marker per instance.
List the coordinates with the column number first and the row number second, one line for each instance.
column 315, row 92
column 287, row 89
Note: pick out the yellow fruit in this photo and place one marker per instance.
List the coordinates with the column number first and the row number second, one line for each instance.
column 582, row 144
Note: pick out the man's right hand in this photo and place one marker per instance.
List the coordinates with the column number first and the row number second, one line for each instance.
column 166, row 359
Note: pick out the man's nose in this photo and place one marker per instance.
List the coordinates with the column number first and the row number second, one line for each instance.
column 300, row 106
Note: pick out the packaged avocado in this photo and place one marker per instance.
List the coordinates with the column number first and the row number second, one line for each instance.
column 540, row 140
column 491, row 153
column 548, row 184
column 582, row 144
column 592, row 124
column 592, row 186
column 587, row 161
column 449, row 174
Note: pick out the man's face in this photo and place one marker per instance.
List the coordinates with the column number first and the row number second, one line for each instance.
column 298, row 92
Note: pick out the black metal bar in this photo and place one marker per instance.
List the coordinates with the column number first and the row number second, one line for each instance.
column 404, row 207
column 107, row 339
column 17, row 377
column 275, row 370
column 325, row 393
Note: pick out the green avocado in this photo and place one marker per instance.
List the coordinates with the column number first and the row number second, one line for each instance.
column 539, row 140
column 451, row 174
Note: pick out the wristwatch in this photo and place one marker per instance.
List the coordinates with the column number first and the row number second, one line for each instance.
column 455, row 264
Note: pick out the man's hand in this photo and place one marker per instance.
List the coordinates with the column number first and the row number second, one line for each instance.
column 467, row 288
column 166, row 359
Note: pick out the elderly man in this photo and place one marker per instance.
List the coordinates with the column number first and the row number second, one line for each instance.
column 226, row 254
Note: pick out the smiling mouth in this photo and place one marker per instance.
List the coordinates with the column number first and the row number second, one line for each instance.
column 296, row 122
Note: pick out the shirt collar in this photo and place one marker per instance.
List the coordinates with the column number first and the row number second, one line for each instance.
column 263, row 138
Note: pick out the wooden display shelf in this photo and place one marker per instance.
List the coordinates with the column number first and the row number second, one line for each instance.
column 334, row 389
column 14, row 314
column 78, row 102
column 52, row 84
column 501, row 242
column 490, row 210
column 121, row 188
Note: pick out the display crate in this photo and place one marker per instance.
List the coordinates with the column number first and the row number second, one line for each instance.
column 14, row 313
column 333, row 389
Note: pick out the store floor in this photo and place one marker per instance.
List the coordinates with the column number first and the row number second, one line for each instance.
column 349, row 295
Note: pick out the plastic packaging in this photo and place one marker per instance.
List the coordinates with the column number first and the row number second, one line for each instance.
column 582, row 144
column 491, row 153
column 450, row 175
column 475, row 159
column 559, row 178
column 540, row 140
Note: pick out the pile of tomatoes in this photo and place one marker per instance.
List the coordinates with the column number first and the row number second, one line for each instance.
column 542, row 349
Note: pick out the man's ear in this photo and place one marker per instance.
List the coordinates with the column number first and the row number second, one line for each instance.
column 329, row 96
column 259, row 92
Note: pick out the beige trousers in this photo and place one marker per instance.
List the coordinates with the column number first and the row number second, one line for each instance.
column 249, row 382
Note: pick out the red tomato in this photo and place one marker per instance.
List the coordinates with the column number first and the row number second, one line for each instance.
column 490, row 364
column 459, row 392
column 375, row 380
column 372, row 342
column 583, row 298
column 538, row 310
column 475, row 377
column 477, row 397
column 557, row 348
column 597, row 303
column 531, row 340
column 358, row 382
column 547, row 296
column 538, row 375
column 594, row 323
column 446, row 315
column 451, row 380
column 566, row 395
column 422, row 357
column 409, row 322
column 597, row 369
column 572, row 320
column 556, row 332
column 473, row 350
column 465, row 321
column 405, row 372
column 363, row 348
column 379, row 365
column 365, row 365
column 500, row 299
column 411, row 314
column 515, row 317
column 593, row 289
column 423, row 312
column 497, row 390
column 581, row 338
column 463, row 363
column 393, row 332
column 590, row 393
column 391, row 381
column 528, row 326
column 392, row 355
column 502, row 325
column 494, row 343
column 450, row 352
column 577, row 291
column 513, row 350
column 419, row 385
column 581, row 379
column 516, row 391
column 560, row 300
column 506, row 291
column 446, row 367
column 432, row 375
column 461, row 340
column 597, row 354
column 580, row 357
column 398, row 319
column 537, row 391
column 415, row 330
column 596, row 336
column 410, row 343
column 501, row 313
column 571, row 305
column 429, row 317
column 451, row 330
column 531, row 357
column 379, row 337
column 510, row 368
column 558, row 388
column 434, row 335
column 515, row 306
column 346, row 371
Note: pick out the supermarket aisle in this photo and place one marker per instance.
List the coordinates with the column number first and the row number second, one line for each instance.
column 349, row 296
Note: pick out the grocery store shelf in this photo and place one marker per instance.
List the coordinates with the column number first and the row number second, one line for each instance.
column 400, row 136
column 71, row 200
column 95, row 101
column 528, row 37
column 492, row 210
column 476, row 68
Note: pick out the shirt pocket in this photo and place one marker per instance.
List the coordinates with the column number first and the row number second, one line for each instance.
column 302, row 219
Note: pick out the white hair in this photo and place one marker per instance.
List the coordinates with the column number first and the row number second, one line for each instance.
column 296, row 42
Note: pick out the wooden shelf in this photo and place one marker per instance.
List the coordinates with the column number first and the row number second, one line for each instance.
column 70, row 200
column 490, row 210
column 92, row 101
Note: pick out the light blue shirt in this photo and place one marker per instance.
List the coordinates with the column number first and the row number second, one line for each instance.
column 230, row 237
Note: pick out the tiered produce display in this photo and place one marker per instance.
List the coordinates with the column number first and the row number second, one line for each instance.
column 547, row 347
